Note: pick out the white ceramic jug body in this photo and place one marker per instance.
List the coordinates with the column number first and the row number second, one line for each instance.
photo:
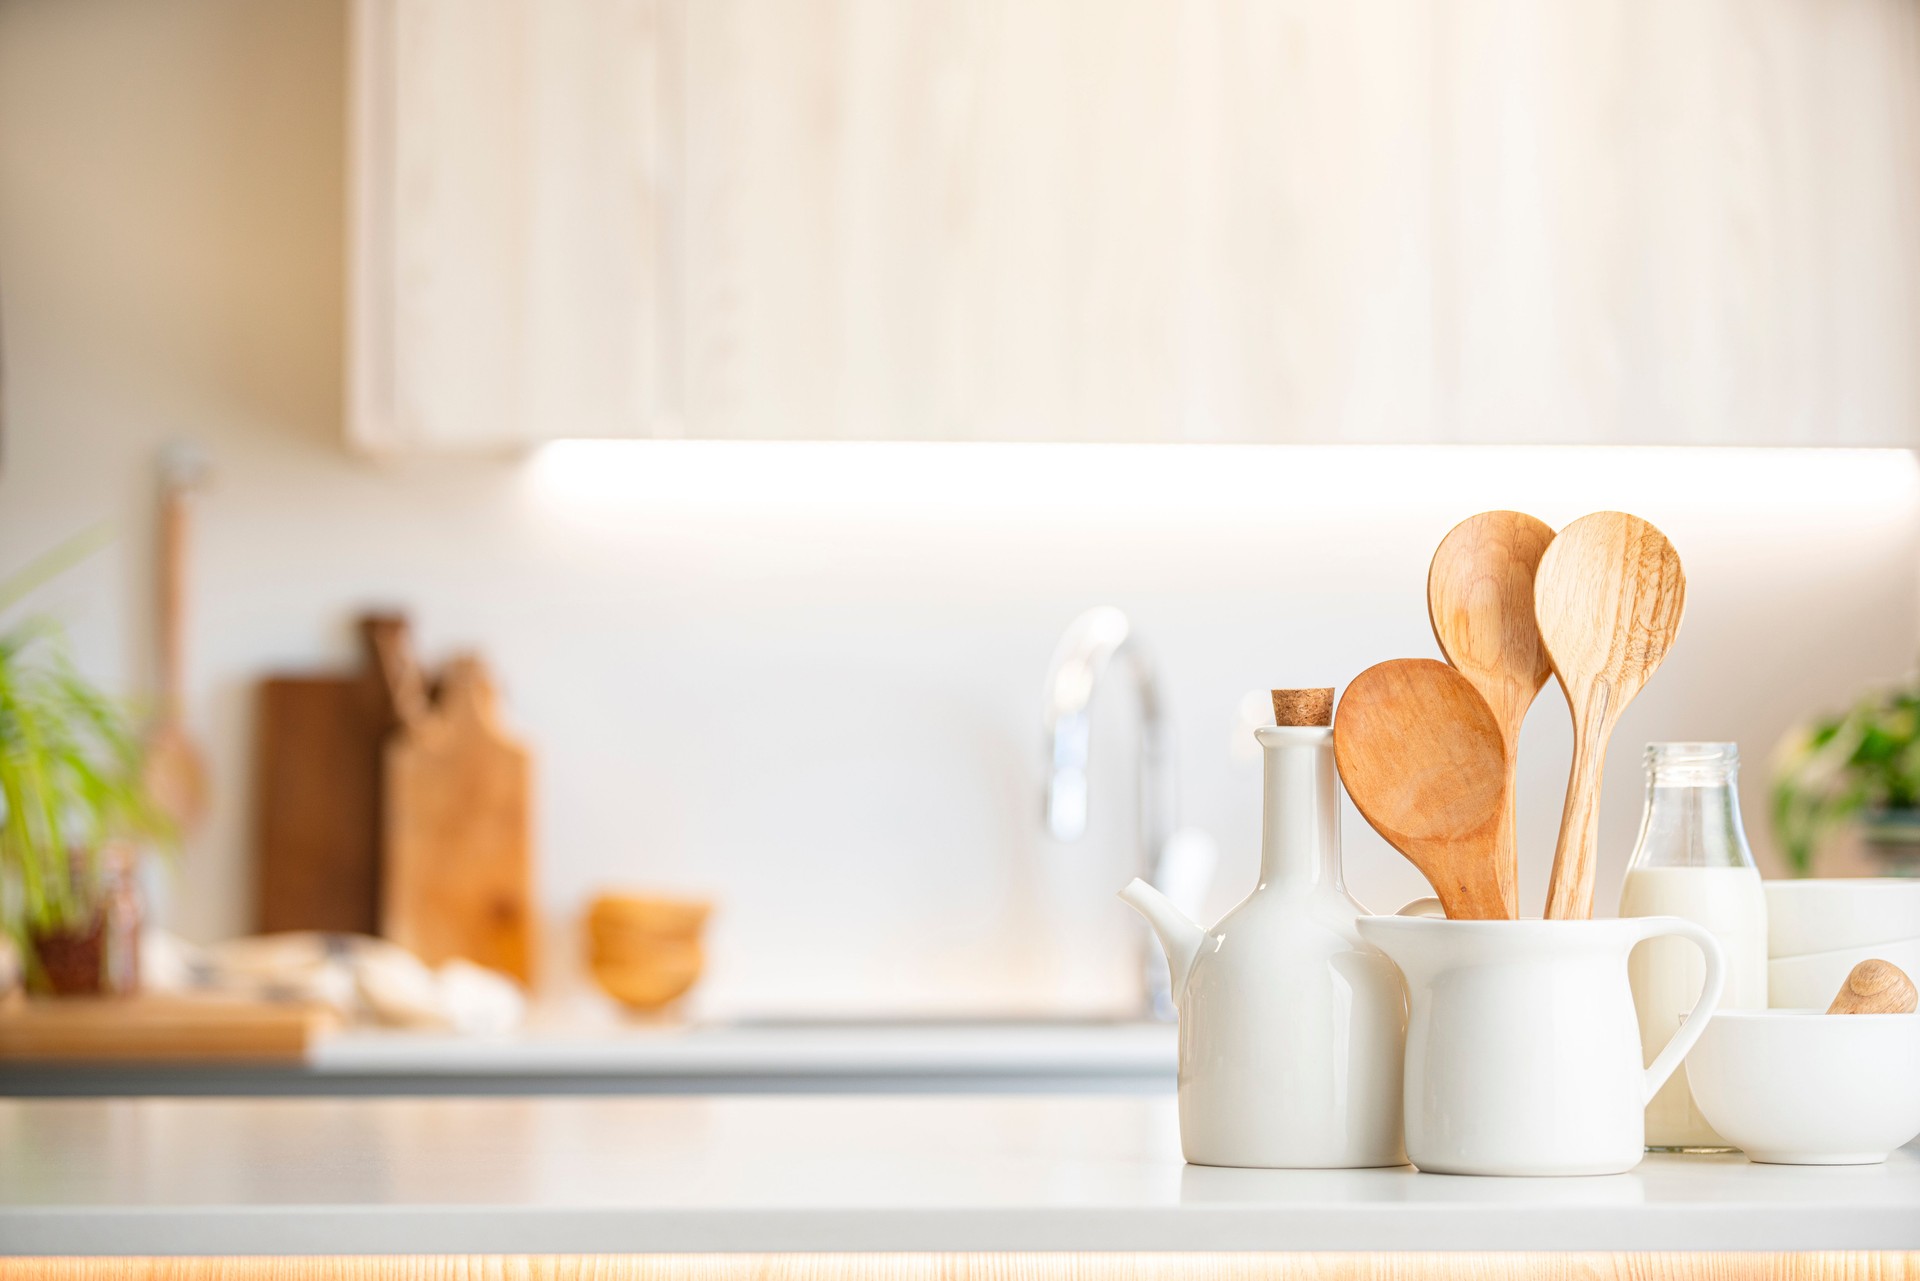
column 1523, row 1051
column 1292, row 1026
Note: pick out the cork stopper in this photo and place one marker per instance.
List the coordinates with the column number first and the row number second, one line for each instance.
column 1303, row 706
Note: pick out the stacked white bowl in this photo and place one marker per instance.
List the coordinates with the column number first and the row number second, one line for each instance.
column 1794, row 1084
column 1817, row 931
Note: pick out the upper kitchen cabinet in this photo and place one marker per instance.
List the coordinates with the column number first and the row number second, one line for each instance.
column 506, row 208
column 1245, row 220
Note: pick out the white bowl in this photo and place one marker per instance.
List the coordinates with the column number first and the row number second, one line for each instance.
column 1797, row 1087
column 1811, row 982
column 1824, row 916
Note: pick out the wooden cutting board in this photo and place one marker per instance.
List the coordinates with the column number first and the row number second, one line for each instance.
column 318, row 746
column 158, row 1029
column 458, row 869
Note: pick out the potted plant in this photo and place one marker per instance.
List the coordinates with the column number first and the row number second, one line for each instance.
column 1862, row 766
column 72, row 807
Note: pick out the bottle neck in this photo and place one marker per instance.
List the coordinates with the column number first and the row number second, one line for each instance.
column 1692, row 815
column 1300, row 825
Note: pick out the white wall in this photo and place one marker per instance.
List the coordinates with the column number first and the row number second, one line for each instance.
column 804, row 679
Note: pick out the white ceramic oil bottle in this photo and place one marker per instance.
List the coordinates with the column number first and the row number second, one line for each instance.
column 1692, row 861
column 1292, row 1028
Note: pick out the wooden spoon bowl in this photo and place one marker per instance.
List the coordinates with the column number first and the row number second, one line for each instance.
column 1422, row 756
column 1480, row 601
column 1608, row 597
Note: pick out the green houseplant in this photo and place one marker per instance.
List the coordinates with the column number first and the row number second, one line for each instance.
column 1861, row 766
column 71, row 797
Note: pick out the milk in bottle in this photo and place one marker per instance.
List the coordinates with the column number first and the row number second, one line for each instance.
column 1692, row 861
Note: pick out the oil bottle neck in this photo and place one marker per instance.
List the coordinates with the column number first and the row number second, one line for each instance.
column 1300, row 825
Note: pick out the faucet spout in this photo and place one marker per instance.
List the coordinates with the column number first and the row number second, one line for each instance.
column 1098, row 640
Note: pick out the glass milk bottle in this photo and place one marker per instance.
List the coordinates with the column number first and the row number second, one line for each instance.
column 1692, row 861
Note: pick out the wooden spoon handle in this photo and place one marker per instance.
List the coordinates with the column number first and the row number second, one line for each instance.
column 1506, row 847
column 1570, row 891
column 1875, row 987
column 172, row 592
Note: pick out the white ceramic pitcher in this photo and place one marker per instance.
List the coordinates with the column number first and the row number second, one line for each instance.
column 1523, row 1052
column 1290, row 1025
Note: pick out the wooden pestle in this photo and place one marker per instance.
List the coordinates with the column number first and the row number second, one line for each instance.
column 1875, row 987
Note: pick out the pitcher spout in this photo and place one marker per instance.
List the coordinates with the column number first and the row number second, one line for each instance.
column 1178, row 936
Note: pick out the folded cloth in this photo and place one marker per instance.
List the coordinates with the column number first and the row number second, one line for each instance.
column 365, row 980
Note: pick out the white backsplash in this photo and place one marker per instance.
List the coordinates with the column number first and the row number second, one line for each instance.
column 805, row 679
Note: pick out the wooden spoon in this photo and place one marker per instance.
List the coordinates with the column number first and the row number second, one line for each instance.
column 1876, row 987
column 174, row 769
column 1608, row 597
column 1422, row 757
column 1480, row 600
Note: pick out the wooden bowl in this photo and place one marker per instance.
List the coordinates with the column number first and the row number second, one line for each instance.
column 636, row 949
column 651, row 985
column 639, row 914
column 645, row 952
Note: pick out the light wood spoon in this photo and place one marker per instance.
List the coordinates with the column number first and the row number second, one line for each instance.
column 1480, row 601
column 1876, row 987
column 175, row 769
column 1422, row 757
column 1608, row 597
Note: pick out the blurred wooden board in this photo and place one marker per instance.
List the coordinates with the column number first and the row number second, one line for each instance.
column 155, row 1029
column 317, row 780
column 318, row 745
column 458, row 852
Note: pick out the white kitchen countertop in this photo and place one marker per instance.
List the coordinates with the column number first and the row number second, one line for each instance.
column 783, row 1173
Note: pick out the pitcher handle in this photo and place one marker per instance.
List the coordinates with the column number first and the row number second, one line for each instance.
column 1695, row 1023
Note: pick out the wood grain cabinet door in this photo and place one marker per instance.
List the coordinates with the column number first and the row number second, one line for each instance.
column 506, row 237
column 1138, row 220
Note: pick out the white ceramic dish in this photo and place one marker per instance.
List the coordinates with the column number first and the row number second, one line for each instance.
column 1810, row 982
column 1798, row 1087
column 1804, row 917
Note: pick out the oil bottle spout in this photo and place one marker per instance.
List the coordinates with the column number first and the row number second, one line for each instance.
column 1179, row 936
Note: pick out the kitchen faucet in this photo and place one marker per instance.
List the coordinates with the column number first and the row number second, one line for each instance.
column 1091, row 645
